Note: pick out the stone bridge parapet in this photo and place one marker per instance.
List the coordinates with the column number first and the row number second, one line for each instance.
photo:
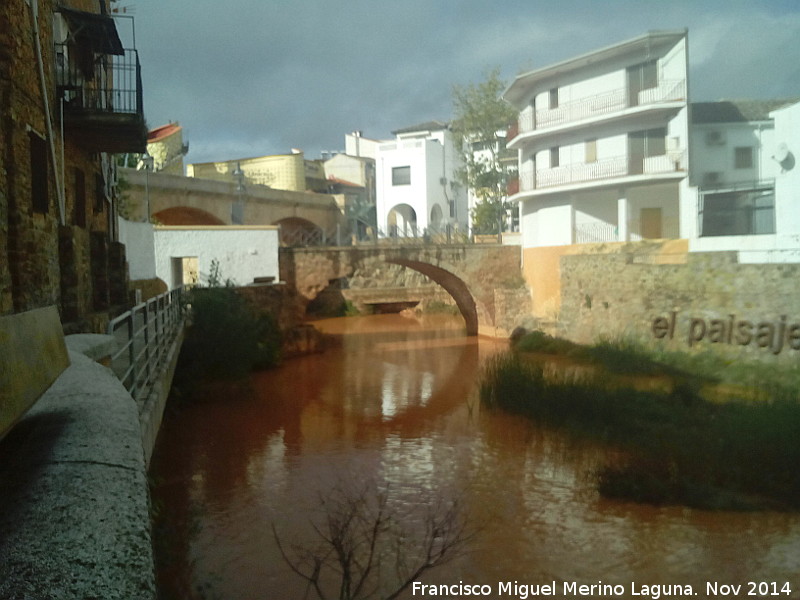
column 475, row 276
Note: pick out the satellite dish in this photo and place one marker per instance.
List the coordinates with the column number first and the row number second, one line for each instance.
column 782, row 153
column 784, row 157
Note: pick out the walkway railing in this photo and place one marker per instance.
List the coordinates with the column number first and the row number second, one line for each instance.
column 144, row 336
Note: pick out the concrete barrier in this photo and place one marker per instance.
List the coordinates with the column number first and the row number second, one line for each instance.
column 74, row 509
column 32, row 356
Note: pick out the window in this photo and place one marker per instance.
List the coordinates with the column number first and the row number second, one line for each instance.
column 99, row 194
column 401, row 176
column 80, row 199
column 554, row 157
column 554, row 98
column 738, row 213
column 591, row 150
column 743, row 157
column 39, row 174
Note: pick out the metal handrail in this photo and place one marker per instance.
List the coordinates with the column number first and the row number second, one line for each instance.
column 144, row 336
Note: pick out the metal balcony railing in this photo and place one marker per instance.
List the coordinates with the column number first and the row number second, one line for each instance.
column 144, row 336
column 592, row 233
column 113, row 86
column 605, row 103
column 599, row 232
column 609, row 168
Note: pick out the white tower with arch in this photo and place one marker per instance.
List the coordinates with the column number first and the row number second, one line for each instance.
column 417, row 190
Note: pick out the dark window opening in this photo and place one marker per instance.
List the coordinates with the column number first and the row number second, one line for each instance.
column 40, row 200
column 79, row 214
column 401, row 176
column 100, row 194
column 738, row 213
column 743, row 157
column 553, row 98
column 554, row 161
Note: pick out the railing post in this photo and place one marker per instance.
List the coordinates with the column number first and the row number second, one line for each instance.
column 132, row 354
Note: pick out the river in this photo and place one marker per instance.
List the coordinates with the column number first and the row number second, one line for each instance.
column 395, row 405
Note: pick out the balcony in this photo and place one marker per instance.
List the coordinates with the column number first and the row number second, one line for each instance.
column 602, row 170
column 102, row 100
column 610, row 103
column 637, row 230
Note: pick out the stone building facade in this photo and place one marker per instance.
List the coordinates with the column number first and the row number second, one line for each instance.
column 58, row 65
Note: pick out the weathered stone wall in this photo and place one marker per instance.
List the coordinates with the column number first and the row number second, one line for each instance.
column 32, row 272
column 709, row 301
column 279, row 301
column 469, row 273
column 76, row 299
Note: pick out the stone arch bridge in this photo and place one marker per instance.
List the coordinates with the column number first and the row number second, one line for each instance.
column 484, row 280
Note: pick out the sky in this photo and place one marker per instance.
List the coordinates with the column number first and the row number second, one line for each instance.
column 257, row 77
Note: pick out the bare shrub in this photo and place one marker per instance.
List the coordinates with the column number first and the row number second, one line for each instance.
column 369, row 547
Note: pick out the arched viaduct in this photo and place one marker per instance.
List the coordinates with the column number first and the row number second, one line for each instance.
column 484, row 281
column 178, row 200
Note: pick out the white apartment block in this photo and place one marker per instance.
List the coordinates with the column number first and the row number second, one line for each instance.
column 610, row 150
column 602, row 140
column 416, row 186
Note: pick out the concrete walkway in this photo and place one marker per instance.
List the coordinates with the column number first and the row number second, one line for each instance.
column 74, row 518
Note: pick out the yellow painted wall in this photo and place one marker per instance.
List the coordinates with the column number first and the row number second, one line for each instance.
column 281, row 172
column 542, row 271
column 167, row 153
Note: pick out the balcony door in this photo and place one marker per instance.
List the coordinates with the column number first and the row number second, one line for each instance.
column 641, row 77
column 643, row 144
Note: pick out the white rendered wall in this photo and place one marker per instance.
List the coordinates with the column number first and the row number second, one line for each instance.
column 430, row 160
column 784, row 245
column 720, row 157
column 787, row 180
column 243, row 252
column 139, row 248
column 408, row 153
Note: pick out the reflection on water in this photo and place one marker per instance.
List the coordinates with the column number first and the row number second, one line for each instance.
column 396, row 403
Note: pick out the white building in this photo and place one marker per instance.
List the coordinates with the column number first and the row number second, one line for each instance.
column 355, row 144
column 609, row 150
column 416, row 185
column 742, row 165
column 602, row 140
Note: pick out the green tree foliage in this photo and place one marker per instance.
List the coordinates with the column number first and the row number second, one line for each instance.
column 480, row 120
column 225, row 339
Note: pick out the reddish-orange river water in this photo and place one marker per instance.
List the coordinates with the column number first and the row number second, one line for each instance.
column 396, row 405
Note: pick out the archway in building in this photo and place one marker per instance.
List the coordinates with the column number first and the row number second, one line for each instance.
column 296, row 231
column 401, row 221
column 186, row 215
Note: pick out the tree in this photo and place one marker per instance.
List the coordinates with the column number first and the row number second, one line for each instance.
column 481, row 118
column 369, row 548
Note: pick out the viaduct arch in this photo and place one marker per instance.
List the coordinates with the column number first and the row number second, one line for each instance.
column 218, row 202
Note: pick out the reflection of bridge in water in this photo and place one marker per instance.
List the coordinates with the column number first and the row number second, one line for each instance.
column 479, row 278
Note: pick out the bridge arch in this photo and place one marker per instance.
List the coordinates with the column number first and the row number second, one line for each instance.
column 454, row 286
column 186, row 215
column 296, row 231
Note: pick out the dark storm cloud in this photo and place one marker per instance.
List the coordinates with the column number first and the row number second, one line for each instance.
column 256, row 77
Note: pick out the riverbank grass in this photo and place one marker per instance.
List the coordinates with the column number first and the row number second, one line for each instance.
column 677, row 447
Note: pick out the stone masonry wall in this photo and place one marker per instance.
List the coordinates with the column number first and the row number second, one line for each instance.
column 31, row 274
column 710, row 301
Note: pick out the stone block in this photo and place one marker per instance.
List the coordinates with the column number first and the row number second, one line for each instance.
column 33, row 356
